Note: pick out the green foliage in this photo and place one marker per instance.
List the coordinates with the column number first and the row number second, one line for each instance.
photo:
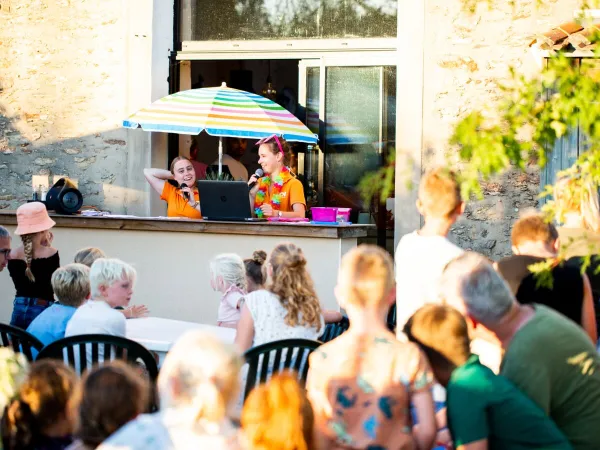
column 212, row 176
column 379, row 185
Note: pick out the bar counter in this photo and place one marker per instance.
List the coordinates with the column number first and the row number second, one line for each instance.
column 172, row 255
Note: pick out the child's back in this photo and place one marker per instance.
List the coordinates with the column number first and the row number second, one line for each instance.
column 71, row 285
column 364, row 384
column 422, row 255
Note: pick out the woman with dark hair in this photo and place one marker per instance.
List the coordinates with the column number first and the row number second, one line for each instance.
column 108, row 398
column 184, row 200
column 278, row 193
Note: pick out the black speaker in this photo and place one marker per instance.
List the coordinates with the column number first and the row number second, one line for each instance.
column 64, row 197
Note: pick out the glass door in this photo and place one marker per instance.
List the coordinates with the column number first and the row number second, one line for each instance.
column 353, row 109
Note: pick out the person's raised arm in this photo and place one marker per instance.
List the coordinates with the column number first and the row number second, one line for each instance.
column 245, row 330
column 588, row 312
column 157, row 178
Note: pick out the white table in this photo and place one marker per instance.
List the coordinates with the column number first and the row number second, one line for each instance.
column 158, row 334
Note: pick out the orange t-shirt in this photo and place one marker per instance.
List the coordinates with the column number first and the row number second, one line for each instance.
column 177, row 205
column 292, row 192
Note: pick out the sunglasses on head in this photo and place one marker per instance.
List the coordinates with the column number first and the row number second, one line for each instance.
column 269, row 139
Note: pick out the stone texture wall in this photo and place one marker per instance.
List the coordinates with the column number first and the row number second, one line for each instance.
column 62, row 98
column 466, row 58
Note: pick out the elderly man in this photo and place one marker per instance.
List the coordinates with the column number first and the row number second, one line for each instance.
column 547, row 356
column 4, row 247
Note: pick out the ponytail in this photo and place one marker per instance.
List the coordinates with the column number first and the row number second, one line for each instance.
column 18, row 426
column 294, row 286
column 41, row 401
column 28, row 248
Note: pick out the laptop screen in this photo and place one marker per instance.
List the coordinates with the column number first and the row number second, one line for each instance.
column 224, row 200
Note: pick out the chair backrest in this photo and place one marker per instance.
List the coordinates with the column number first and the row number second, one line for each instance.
column 274, row 357
column 20, row 341
column 333, row 330
column 391, row 318
column 76, row 350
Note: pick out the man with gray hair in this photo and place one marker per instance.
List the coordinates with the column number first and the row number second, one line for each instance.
column 546, row 355
column 4, row 247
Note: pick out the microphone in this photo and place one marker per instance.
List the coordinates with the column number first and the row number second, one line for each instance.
column 185, row 194
column 259, row 173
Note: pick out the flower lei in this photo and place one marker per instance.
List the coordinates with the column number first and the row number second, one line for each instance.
column 263, row 189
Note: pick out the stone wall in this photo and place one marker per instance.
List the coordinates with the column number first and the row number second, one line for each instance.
column 63, row 94
column 466, row 58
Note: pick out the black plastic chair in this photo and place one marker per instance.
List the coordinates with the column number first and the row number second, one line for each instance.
column 279, row 356
column 20, row 341
column 73, row 351
column 391, row 318
column 333, row 330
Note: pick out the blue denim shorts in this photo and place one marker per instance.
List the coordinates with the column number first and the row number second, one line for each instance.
column 26, row 309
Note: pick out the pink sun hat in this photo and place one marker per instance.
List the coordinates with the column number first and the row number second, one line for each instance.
column 33, row 218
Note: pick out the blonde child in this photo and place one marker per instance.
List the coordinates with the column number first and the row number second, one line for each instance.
column 228, row 276
column 289, row 308
column 71, row 285
column 32, row 264
column 87, row 256
column 362, row 384
column 197, row 386
column 422, row 255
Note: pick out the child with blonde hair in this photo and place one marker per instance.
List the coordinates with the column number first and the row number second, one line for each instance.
column 71, row 285
column 278, row 416
column 363, row 383
column 228, row 276
column 88, row 255
column 32, row 264
column 287, row 309
column 197, row 386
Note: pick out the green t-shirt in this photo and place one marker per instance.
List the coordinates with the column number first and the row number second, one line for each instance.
column 554, row 363
column 483, row 405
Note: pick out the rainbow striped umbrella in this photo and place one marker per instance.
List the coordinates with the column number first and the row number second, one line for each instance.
column 220, row 111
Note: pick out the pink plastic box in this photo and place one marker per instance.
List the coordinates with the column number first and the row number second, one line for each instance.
column 343, row 214
column 324, row 214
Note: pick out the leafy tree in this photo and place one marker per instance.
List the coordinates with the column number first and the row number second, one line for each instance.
column 525, row 124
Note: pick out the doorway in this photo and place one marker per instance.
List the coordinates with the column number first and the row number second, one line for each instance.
column 349, row 102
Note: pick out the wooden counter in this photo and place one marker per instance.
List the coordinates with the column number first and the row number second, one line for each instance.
column 172, row 256
column 201, row 226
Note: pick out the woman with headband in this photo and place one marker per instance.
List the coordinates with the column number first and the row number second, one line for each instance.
column 278, row 193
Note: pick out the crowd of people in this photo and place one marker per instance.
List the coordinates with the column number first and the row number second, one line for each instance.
column 485, row 355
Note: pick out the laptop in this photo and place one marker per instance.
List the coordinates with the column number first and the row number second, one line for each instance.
column 225, row 201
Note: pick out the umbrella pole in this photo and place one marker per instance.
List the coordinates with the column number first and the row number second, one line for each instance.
column 220, row 156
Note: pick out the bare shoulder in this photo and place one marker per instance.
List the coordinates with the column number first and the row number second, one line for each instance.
column 17, row 253
column 45, row 252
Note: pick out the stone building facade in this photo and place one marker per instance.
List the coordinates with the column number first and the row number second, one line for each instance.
column 70, row 71
column 465, row 58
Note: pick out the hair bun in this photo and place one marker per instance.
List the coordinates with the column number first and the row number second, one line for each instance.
column 296, row 260
column 259, row 257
